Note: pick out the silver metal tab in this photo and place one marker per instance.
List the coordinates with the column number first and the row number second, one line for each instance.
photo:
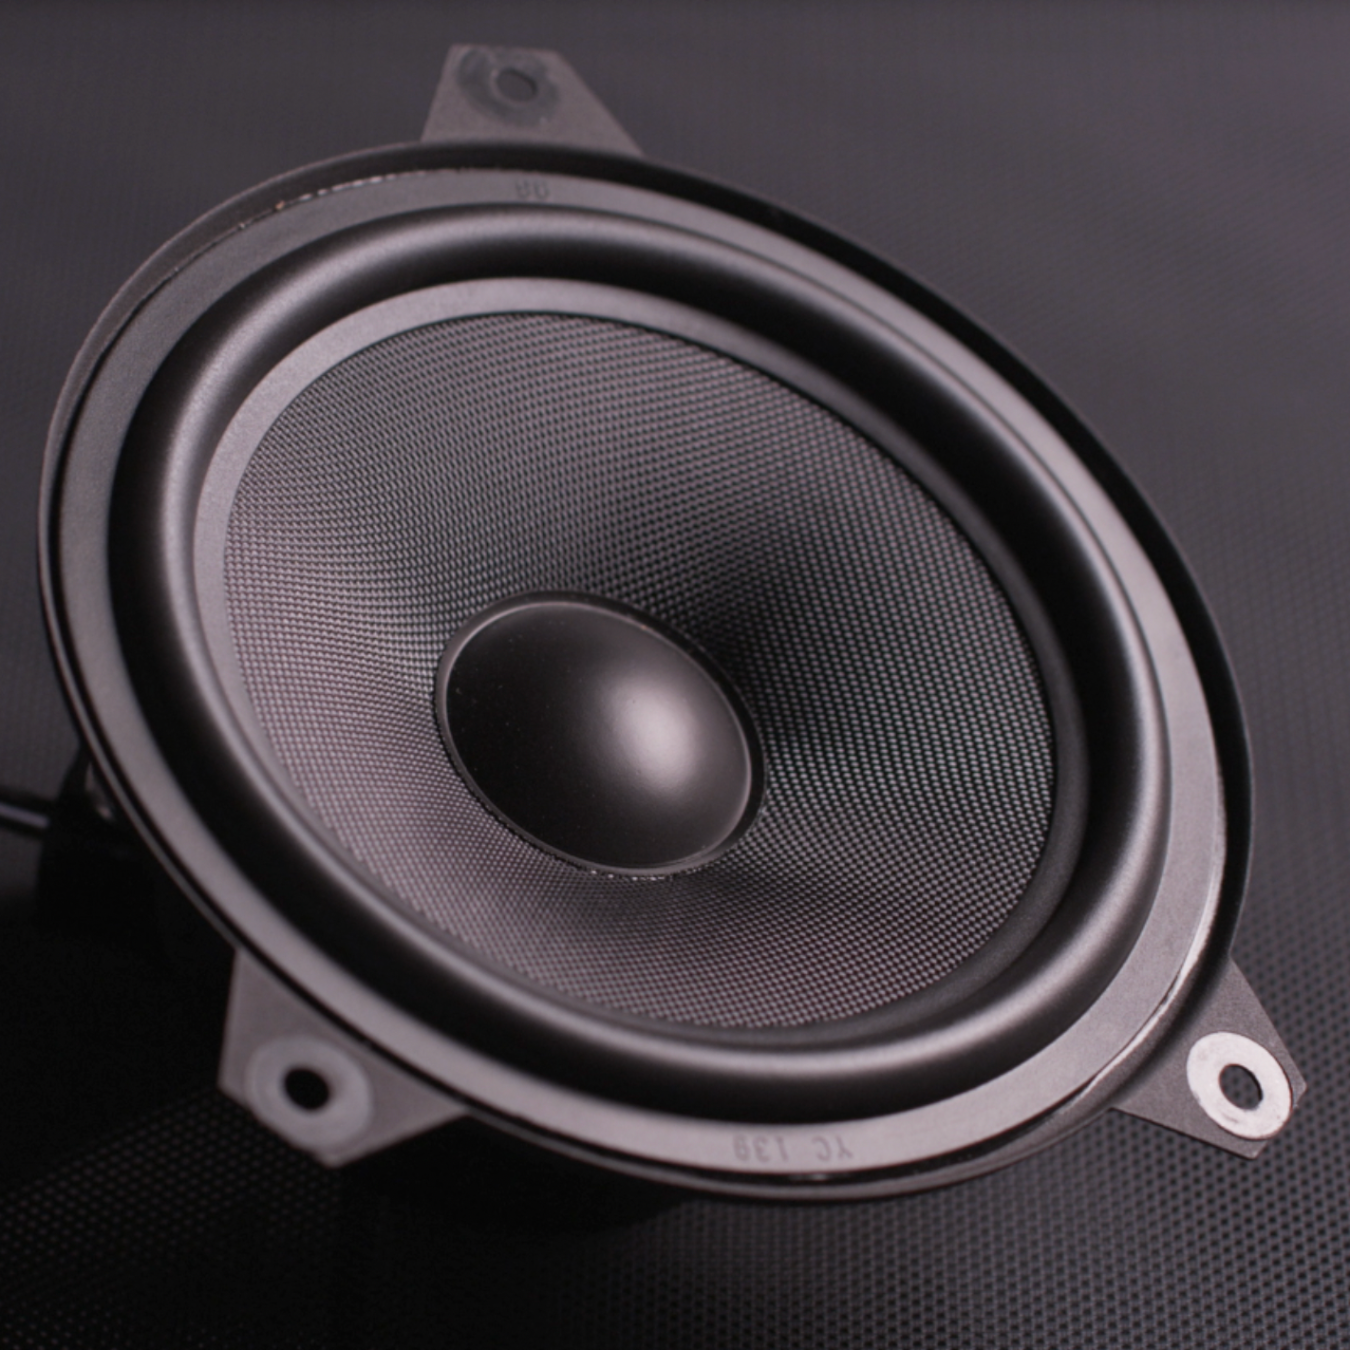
column 1182, row 1088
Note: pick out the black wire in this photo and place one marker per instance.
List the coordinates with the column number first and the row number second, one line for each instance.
column 22, row 814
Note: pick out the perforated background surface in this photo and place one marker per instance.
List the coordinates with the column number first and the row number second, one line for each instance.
column 907, row 747
column 1149, row 202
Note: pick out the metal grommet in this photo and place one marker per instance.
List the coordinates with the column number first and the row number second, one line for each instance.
column 1210, row 1056
column 342, row 1116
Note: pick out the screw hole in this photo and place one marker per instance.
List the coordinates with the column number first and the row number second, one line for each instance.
column 515, row 85
column 1251, row 1103
column 1241, row 1088
column 307, row 1089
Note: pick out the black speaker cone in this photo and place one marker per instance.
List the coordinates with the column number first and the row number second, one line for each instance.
column 909, row 757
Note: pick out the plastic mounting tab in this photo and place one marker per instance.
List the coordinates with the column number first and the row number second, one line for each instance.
column 519, row 94
column 313, row 1084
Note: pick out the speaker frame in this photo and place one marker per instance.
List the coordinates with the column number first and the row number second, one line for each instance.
column 1183, row 941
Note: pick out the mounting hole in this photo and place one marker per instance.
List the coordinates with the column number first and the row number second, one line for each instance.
column 1239, row 1084
column 307, row 1089
column 311, row 1091
column 1240, row 1087
column 515, row 86
column 509, row 86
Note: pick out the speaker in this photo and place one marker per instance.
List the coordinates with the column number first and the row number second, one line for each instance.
column 618, row 662
column 628, row 677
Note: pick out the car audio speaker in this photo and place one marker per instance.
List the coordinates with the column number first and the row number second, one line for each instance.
column 620, row 663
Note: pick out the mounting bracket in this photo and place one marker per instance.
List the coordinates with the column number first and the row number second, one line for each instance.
column 319, row 1088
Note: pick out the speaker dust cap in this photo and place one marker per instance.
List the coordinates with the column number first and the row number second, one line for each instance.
column 596, row 736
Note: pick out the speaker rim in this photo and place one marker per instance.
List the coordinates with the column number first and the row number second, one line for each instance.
column 1217, row 682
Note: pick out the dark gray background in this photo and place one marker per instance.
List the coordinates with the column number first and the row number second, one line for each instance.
column 1151, row 205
